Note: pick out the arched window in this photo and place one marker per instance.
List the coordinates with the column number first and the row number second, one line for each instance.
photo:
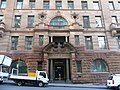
column 99, row 65
column 58, row 21
column 19, row 65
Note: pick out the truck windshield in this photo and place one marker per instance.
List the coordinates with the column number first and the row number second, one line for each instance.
column 43, row 74
column 4, row 69
column 110, row 77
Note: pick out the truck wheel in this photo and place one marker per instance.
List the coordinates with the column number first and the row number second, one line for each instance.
column 19, row 83
column 1, row 82
column 40, row 84
column 118, row 88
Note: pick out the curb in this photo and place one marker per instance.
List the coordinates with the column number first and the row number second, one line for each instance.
column 77, row 86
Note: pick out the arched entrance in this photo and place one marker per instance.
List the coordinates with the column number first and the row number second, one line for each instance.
column 59, row 61
column 59, row 69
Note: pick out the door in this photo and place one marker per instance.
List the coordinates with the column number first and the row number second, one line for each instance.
column 59, row 69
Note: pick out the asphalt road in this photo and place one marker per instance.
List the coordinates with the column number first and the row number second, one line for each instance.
column 15, row 87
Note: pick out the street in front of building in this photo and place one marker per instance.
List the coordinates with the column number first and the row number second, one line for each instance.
column 14, row 87
column 10, row 85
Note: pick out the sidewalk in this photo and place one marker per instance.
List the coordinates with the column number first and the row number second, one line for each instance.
column 89, row 85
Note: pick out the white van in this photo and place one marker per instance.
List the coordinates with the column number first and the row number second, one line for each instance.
column 114, row 81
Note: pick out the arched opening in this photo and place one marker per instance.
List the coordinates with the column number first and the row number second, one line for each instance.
column 58, row 21
column 20, row 67
column 99, row 65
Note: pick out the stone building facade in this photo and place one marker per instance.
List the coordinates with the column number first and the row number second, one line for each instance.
column 73, row 40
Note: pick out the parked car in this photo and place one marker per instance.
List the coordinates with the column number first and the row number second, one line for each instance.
column 114, row 81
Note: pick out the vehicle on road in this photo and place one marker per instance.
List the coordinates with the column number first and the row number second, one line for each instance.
column 40, row 79
column 114, row 81
column 5, row 63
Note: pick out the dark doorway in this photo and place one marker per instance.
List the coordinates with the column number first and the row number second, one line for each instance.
column 60, row 69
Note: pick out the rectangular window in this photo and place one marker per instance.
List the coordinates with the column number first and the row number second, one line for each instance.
column 119, row 4
column 39, row 67
column 111, row 5
column 1, row 18
column 28, row 42
column 70, row 5
column 77, row 40
column 86, row 22
column 96, row 5
column 17, row 21
column 41, row 40
column 19, row 4
column 114, row 19
column 98, row 21
column 30, row 21
column 79, row 66
column 58, row 4
column 31, row 4
column 14, row 42
column 101, row 42
column 88, row 42
column 46, row 5
column 84, row 5
column 118, row 40
column 3, row 4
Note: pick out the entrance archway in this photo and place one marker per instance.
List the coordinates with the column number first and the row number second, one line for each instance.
column 59, row 70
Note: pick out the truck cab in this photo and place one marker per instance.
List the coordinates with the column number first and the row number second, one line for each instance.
column 114, row 81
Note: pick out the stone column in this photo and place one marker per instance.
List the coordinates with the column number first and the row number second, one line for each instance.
column 51, row 38
column 67, row 70
column 66, row 38
column 51, row 70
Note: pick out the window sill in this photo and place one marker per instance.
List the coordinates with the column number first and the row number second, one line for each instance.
column 30, row 27
column 98, row 72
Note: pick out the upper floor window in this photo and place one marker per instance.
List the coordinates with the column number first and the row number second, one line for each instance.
column 58, row 21
column 30, row 21
column 14, row 42
column 41, row 40
column 31, row 4
column 58, row 4
column 101, row 42
column 77, row 40
column 70, row 5
column 96, row 5
column 98, row 21
column 3, row 4
column 28, row 42
column 17, row 21
column 88, row 42
column 86, row 22
column 1, row 18
column 111, row 5
column 99, row 65
column 119, row 4
column 118, row 41
column 114, row 19
column 84, row 5
column 46, row 5
column 19, row 4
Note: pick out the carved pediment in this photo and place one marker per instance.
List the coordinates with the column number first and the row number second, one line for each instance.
column 59, row 48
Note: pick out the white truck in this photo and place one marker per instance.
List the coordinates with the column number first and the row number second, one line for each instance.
column 40, row 79
column 5, row 63
column 113, row 81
